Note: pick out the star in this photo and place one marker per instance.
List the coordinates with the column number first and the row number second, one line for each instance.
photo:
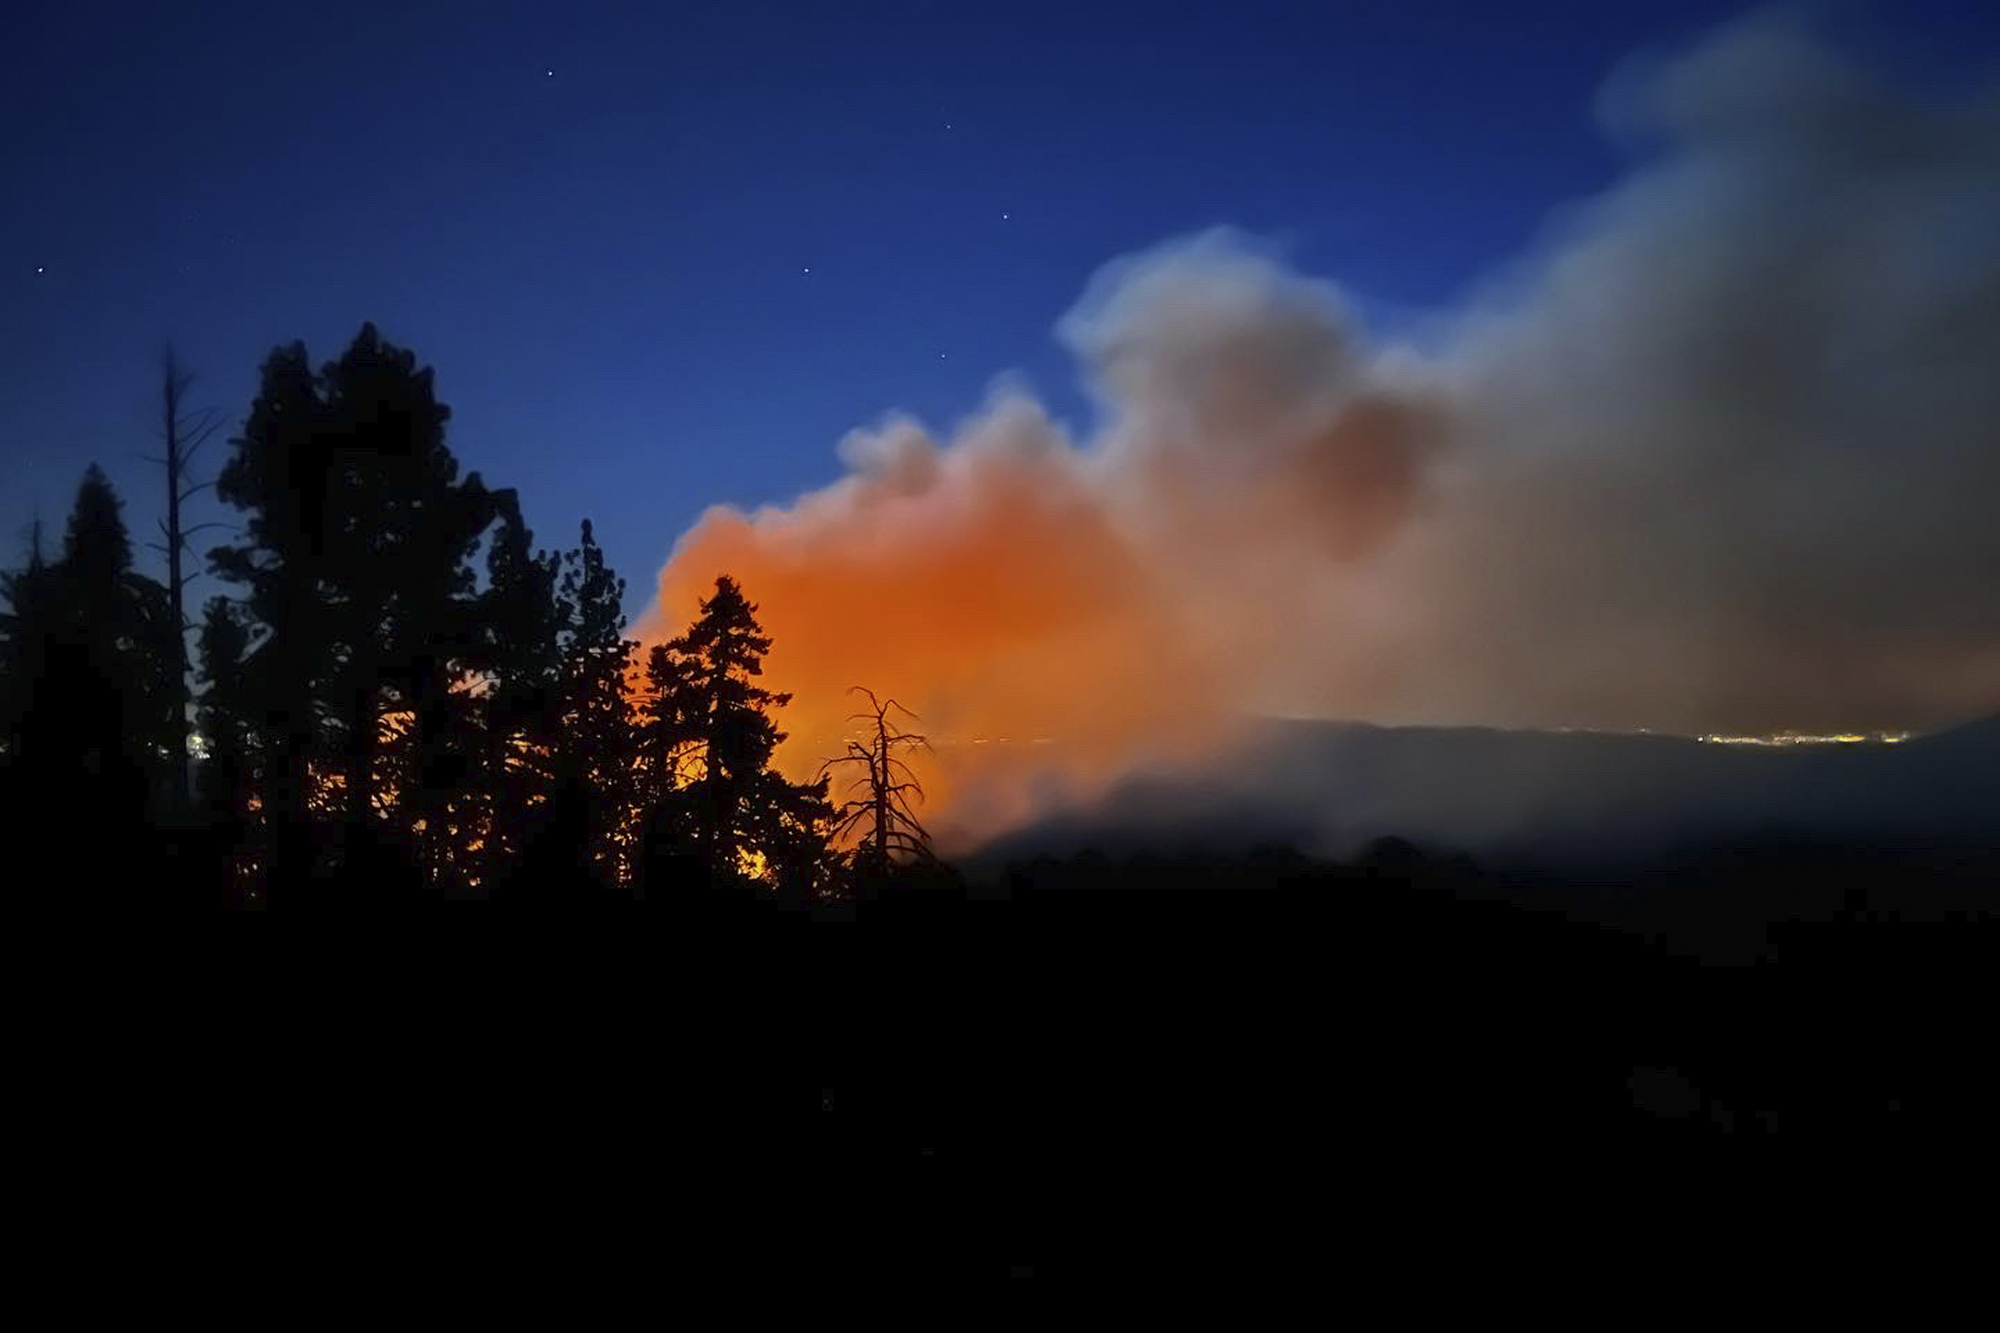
column 38, row 268
column 808, row 268
column 549, row 73
column 1005, row 216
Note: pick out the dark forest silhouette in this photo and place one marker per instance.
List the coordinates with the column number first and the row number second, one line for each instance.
column 403, row 699
column 400, row 698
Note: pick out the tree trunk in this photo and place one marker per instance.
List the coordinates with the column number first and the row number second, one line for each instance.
column 881, row 775
column 177, row 748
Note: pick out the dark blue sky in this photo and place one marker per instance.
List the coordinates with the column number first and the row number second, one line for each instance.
column 597, row 226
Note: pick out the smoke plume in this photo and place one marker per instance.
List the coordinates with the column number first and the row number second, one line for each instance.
column 1723, row 454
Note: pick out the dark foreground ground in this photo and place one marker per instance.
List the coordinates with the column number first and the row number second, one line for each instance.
column 1075, row 1066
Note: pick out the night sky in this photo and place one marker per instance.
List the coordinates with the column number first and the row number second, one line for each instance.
column 666, row 261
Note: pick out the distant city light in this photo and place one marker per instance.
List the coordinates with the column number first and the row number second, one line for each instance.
column 1784, row 738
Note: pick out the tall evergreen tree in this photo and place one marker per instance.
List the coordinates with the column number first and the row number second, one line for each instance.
column 280, row 474
column 121, row 617
column 90, row 692
column 359, row 588
column 407, row 532
column 710, row 733
column 523, row 617
column 594, row 755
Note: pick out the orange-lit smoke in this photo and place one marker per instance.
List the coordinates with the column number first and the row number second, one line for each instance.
column 1058, row 614
column 983, row 587
column 1720, row 459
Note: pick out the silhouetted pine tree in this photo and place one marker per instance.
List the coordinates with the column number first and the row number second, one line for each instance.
column 279, row 475
column 89, row 697
column 124, row 620
column 406, row 531
column 580, row 839
column 708, row 731
column 523, row 618
column 359, row 593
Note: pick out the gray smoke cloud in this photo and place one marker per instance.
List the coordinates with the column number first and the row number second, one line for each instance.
column 1723, row 454
column 1731, row 448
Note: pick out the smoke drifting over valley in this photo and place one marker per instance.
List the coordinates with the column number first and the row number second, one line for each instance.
column 1724, row 454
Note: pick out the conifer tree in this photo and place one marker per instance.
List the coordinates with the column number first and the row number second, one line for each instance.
column 120, row 618
column 711, row 733
column 89, row 696
column 279, row 474
column 523, row 617
column 407, row 530
column 592, row 761
column 359, row 592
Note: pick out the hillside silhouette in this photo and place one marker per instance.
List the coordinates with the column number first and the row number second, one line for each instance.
column 1546, row 798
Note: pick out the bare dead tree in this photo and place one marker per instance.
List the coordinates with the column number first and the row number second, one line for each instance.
column 185, row 433
column 880, row 806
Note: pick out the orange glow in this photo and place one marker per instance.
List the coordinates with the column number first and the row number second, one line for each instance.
column 985, row 589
